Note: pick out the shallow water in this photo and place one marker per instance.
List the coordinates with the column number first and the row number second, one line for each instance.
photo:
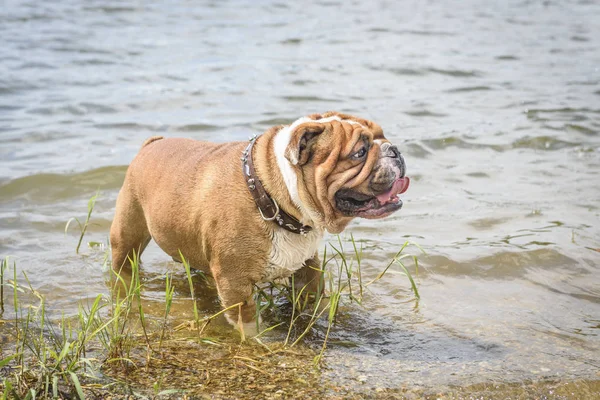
column 495, row 105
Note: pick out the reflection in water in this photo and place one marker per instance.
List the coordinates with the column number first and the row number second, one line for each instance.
column 494, row 111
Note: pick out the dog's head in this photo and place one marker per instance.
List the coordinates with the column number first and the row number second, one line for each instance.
column 343, row 167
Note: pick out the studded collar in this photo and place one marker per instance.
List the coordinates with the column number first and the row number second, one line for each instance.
column 267, row 206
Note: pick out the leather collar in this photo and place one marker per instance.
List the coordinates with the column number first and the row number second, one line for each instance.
column 267, row 206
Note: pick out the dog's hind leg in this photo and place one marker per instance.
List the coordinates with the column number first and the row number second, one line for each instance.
column 129, row 232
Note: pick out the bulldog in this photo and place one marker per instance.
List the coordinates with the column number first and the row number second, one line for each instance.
column 251, row 212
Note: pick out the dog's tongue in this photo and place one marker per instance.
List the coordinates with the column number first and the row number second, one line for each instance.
column 399, row 187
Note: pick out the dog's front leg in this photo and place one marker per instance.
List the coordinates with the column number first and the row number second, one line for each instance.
column 309, row 278
column 234, row 288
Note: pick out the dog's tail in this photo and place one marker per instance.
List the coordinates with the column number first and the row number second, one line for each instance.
column 151, row 139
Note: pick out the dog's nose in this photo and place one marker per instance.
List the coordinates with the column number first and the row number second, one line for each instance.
column 394, row 152
column 390, row 150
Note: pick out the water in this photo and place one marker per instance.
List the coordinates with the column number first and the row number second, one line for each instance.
column 496, row 106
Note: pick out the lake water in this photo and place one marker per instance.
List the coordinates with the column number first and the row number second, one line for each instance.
column 495, row 105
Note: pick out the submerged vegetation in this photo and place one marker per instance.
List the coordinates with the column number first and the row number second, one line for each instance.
column 83, row 227
column 113, row 346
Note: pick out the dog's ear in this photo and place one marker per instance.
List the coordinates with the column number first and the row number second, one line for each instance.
column 300, row 148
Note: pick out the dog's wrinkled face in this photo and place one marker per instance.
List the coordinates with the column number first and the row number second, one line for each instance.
column 345, row 168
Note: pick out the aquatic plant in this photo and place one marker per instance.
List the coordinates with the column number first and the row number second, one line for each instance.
column 83, row 227
column 62, row 357
column 3, row 266
column 47, row 355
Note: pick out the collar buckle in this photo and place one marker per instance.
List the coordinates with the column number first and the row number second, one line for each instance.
column 275, row 215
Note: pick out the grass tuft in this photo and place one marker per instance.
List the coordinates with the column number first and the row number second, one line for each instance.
column 58, row 357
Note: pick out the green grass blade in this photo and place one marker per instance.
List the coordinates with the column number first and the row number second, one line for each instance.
column 63, row 352
column 69, row 224
column 7, row 389
column 188, row 272
column 77, row 385
column 5, row 361
column 55, row 387
column 410, row 278
column 419, row 247
column 3, row 265
column 30, row 395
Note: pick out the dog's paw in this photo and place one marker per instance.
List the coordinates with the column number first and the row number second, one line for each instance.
column 247, row 330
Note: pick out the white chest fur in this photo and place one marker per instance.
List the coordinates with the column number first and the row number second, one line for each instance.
column 289, row 252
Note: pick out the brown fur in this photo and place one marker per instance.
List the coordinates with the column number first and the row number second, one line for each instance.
column 191, row 196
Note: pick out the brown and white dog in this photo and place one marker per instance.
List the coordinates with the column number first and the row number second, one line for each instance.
column 196, row 197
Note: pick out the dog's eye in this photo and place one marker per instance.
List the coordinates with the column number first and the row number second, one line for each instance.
column 360, row 154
